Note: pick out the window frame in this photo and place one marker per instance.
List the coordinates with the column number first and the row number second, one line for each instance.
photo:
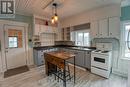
column 122, row 41
column 8, row 42
column 75, row 34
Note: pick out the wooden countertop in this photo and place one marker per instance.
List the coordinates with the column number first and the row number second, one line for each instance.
column 61, row 54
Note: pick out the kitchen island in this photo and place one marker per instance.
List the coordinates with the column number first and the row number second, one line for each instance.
column 58, row 60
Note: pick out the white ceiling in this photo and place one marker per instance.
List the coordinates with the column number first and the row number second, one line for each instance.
column 66, row 7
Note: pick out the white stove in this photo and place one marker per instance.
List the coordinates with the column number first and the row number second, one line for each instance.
column 101, row 59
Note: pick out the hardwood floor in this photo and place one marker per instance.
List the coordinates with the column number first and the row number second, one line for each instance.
column 36, row 78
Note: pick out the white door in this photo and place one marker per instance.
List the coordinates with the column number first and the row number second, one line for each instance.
column 15, row 46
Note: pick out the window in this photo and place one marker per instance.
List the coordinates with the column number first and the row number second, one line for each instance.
column 15, row 38
column 126, row 40
column 13, row 42
column 81, row 38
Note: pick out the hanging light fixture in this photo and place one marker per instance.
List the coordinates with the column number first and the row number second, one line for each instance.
column 52, row 20
column 55, row 17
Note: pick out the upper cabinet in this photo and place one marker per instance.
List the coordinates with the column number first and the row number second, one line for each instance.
column 37, row 29
column 43, row 26
column 94, row 29
column 103, row 28
column 114, row 27
column 106, row 28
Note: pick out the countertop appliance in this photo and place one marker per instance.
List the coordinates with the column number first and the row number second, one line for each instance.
column 101, row 59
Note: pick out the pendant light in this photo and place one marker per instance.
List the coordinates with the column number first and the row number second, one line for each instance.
column 55, row 17
column 52, row 20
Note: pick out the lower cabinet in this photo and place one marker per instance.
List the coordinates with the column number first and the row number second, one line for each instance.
column 38, row 57
column 79, row 59
column 82, row 58
column 87, row 60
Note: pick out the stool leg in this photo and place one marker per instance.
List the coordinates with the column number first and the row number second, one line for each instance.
column 69, row 71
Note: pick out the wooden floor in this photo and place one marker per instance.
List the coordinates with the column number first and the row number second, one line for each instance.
column 36, row 78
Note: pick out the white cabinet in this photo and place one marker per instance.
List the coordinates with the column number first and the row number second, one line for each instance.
column 114, row 27
column 55, row 29
column 37, row 29
column 94, row 29
column 106, row 28
column 103, row 28
column 44, row 29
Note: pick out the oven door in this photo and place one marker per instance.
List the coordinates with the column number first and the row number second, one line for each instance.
column 99, row 61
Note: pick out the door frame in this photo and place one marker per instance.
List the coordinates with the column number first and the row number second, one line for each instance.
column 2, row 33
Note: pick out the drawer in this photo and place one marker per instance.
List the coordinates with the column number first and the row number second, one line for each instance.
column 100, row 72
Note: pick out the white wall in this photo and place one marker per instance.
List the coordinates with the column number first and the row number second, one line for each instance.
column 129, row 76
column 0, row 63
column 95, row 14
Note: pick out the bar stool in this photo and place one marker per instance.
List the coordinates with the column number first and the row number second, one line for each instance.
column 60, row 72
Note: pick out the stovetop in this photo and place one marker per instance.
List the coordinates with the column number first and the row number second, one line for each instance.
column 100, row 51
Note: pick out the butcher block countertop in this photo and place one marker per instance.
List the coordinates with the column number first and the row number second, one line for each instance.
column 61, row 54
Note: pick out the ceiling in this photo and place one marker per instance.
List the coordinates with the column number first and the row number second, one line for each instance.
column 65, row 8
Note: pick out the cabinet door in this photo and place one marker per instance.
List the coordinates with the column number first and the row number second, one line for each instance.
column 103, row 28
column 40, row 58
column 87, row 60
column 79, row 59
column 35, row 54
column 49, row 29
column 54, row 30
column 73, row 52
column 114, row 27
column 94, row 29
column 37, row 29
column 43, row 28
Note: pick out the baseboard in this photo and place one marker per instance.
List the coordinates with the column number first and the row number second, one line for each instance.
column 117, row 72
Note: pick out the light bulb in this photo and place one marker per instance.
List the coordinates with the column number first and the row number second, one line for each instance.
column 56, row 17
column 52, row 20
